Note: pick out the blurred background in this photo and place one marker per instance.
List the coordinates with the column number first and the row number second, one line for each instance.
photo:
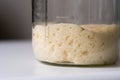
column 15, row 19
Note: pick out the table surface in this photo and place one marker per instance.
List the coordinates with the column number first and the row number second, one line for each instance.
column 17, row 62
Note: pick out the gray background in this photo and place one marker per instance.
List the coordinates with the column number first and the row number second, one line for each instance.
column 16, row 22
column 15, row 19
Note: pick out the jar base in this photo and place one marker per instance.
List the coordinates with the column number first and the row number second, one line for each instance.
column 68, row 64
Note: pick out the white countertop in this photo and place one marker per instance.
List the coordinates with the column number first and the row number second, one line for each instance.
column 17, row 62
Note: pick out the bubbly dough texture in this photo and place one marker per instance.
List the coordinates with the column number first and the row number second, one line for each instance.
column 76, row 44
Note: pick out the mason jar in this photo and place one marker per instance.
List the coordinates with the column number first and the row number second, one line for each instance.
column 76, row 32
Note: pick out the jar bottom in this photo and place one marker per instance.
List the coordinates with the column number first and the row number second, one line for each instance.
column 69, row 64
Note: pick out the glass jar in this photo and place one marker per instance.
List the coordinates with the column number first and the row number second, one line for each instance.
column 75, row 32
